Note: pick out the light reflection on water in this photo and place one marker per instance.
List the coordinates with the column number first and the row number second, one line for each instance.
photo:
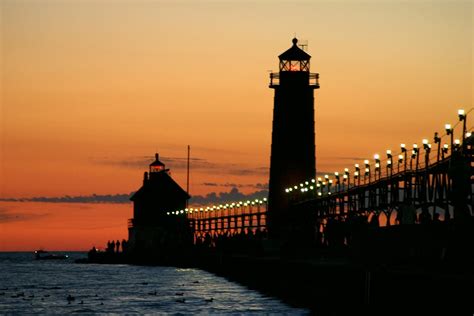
column 42, row 287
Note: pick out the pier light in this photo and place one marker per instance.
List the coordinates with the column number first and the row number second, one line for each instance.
column 319, row 194
column 319, row 179
column 167, row 213
column 346, row 170
column 329, row 193
column 330, row 182
column 367, row 171
column 253, row 203
column 468, row 134
column 313, row 181
column 302, row 189
column 389, row 153
column 445, row 148
column 413, row 153
column 306, row 182
column 366, row 162
column 201, row 209
column 245, row 204
column 356, row 174
column 400, row 158
column 357, row 166
column 301, row 184
column 336, row 174
column 290, row 189
column 457, row 142
column 318, row 185
column 264, row 199
column 403, row 147
column 426, row 144
column 345, row 176
column 295, row 187
column 461, row 114
column 287, row 191
column 261, row 202
column 377, row 165
column 326, row 176
column 448, row 128
column 389, row 163
column 377, row 157
column 311, row 187
column 415, row 148
column 248, row 201
column 182, row 212
column 324, row 183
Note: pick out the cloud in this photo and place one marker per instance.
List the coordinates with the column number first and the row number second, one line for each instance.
column 7, row 216
column 94, row 198
column 232, row 196
column 235, row 185
column 177, row 163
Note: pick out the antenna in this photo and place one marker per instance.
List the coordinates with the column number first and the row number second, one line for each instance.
column 303, row 44
column 187, row 176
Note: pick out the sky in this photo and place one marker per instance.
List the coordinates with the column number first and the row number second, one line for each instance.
column 91, row 89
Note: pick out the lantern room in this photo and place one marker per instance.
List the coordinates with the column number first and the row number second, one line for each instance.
column 157, row 165
column 294, row 59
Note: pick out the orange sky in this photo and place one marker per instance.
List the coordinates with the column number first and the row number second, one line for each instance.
column 91, row 89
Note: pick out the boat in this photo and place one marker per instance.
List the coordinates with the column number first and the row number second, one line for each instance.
column 44, row 255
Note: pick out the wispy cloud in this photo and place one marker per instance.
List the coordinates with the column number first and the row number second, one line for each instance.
column 222, row 197
column 94, row 198
column 236, row 185
column 7, row 216
column 177, row 163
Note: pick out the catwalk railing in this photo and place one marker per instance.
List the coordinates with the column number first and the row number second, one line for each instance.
column 431, row 177
column 424, row 179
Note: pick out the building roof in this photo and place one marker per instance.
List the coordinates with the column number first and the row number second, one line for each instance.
column 294, row 53
column 160, row 185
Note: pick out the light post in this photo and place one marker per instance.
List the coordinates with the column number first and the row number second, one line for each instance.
column 389, row 162
column 462, row 118
column 347, row 177
column 427, row 148
column 449, row 131
column 400, row 160
column 437, row 140
column 367, row 170
column 377, row 166
column 415, row 154
column 444, row 151
column 404, row 151
column 357, row 174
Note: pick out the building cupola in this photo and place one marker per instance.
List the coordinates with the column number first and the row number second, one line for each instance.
column 157, row 165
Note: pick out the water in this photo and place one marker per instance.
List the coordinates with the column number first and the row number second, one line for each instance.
column 28, row 286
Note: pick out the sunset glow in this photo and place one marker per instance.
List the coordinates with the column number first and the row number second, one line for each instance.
column 91, row 90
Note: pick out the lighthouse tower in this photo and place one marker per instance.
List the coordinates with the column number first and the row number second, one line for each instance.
column 293, row 156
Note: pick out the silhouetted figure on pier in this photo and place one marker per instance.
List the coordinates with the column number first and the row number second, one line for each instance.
column 117, row 245
column 424, row 217
column 124, row 246
column 112, row 246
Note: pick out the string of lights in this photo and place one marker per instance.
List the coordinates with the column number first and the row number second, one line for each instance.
column 373, row 171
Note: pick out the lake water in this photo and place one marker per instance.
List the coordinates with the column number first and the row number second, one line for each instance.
column 29, row 286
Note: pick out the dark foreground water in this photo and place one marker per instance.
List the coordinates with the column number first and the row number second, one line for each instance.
column 29, row 286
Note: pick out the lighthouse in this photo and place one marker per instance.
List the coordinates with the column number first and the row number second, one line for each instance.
column 293, row 152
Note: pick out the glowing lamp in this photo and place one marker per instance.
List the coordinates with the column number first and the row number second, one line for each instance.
column 448, row 128
column 461, row 114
